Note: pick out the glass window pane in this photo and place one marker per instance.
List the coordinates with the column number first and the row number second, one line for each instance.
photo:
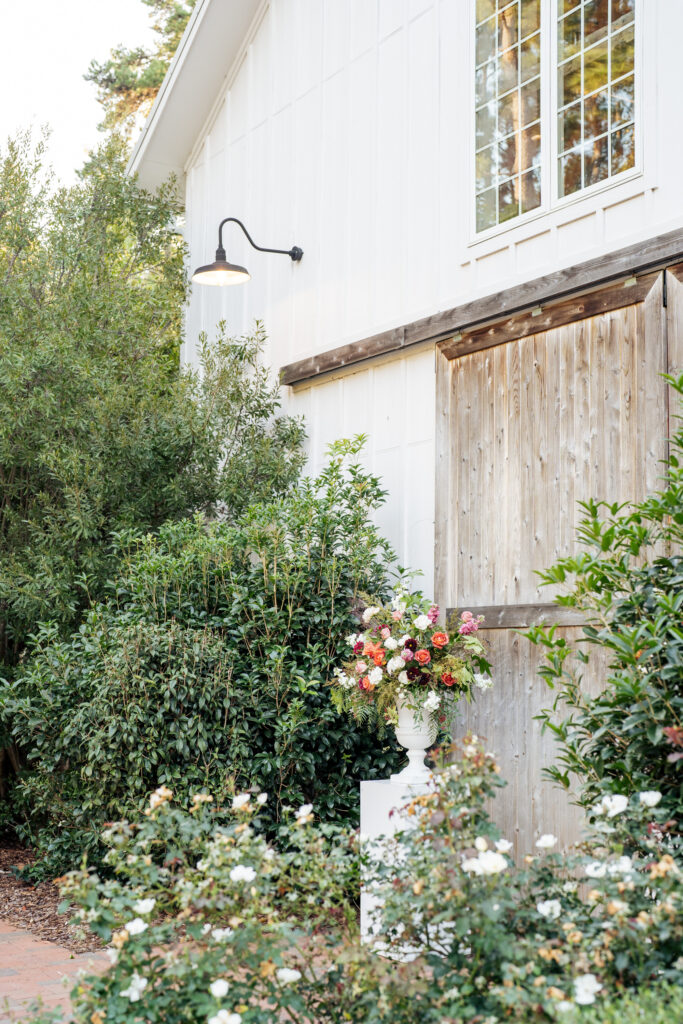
column 569, row 173
column 486, row 210
column 485, row 168
column 623, row 149
column 508, row 200
column 595, row 14
column 595, row 162
column 485, row 40
column 622, row 53
column 623, row 11
column 508, row 113
column 507, row 27
column 567, row 5
column 509, row 70
column 507, row 157
column 569, row 84
column 595, row 68
column 569, row 37
column 596, row 114
column 531, row 101
column 529, row 17
column 530, row 147
column 569, row 132
column 531, row 57
column 531, row 190
column 507, row 109
column 485, row 82
column 622, row 101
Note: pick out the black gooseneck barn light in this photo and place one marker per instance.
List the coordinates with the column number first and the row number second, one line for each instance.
column 220, row 272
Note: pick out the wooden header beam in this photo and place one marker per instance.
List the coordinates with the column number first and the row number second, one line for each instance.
column 523, row 616
column 655, row 253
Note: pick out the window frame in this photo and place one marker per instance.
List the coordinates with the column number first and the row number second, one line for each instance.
column 550, row 199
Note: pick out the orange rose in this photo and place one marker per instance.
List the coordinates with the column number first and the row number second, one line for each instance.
column 447, row 679
column 365, row 684
column 440, row 639
column 423, row 657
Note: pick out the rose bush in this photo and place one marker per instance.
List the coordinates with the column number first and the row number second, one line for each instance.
column 209, row 923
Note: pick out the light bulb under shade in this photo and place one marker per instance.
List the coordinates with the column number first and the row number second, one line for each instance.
column 220, row 272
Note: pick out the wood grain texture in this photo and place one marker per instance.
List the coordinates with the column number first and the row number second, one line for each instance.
column 592, row 277
column 504, row 718
column 522, row 616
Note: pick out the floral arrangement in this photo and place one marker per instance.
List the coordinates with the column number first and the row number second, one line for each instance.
column 402, row 656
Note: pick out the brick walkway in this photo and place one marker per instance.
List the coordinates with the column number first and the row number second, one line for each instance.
column 32, row 969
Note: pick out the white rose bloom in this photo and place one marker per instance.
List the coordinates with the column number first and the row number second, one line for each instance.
column 394, row 664
column 113, row 955
column 421, row 622
column 403, row 639
column 403, row 678
column 482, row 682
column 221, row 934
column 598, row 809
column 550, row 909
column 303, row 813
column 432, row 703
column 287, row 975
column 262, row 798
column 586, row 986
column 472, row 865
column 503, row 845
column 240, row 801
column 241, row 873
column 390, row 643
column 614, row 804
column 596, row 869
column 219, row 988
column 369, row 612
column 225, row 1017
column 144, row 906
column 481, row 844
column 376, row 675
column 650, row 798
column 352, row 639
column 492, row 863
column 546, row 842
column 136, row 987
column 136, row 926
column 563, row 1006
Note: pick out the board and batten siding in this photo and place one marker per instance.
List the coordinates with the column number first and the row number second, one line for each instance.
column 525, row 430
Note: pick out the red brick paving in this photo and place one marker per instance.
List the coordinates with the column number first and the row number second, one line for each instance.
column 32, row 969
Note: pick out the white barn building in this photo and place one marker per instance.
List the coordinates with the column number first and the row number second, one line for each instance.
column 487, row 193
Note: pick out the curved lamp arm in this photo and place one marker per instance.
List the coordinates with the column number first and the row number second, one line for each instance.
column 295, row 253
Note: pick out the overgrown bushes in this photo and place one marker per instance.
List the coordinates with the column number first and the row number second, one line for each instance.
column 207, row 668
column 628, row 580
column 206, row 920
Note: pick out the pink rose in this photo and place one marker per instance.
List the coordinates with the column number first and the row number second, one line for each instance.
column 361, row 666
column 407, row 655
column 433, row 613
column 397, row 616
column 467, row 616
column 469, row 626
column 386, row 633
column 358, row 647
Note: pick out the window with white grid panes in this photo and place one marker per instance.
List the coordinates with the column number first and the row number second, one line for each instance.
column 507, row 110
column 595, row 91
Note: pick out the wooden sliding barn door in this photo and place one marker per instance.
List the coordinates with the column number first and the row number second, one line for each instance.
column 535, row 414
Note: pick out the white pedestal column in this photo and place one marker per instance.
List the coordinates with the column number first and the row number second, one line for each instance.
column 377, row 800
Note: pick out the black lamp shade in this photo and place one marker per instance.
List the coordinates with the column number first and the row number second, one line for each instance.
column 220, row 272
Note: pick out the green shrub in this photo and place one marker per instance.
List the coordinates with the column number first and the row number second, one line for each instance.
column 628, row 580
column 659, row 1004
column 208, row 668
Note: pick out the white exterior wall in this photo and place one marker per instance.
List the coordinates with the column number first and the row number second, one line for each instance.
column 347, row 130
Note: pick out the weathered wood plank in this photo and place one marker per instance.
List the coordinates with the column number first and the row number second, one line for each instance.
column 522, row 616
column 444, row 507
column 523, row 325
column 658, row 252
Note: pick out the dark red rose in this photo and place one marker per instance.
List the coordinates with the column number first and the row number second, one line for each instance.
column 358, row 647
column 413, row 672
column 410, row 645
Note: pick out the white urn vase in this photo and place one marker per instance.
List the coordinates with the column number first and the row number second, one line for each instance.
column 416, row 732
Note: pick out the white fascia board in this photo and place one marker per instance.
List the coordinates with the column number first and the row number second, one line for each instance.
column 205, row 54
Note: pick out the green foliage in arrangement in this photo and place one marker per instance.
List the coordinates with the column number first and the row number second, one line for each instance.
column 628, row 580
column 208, row 923
column 128, row 81
column 99, row 432
column 207, row 667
